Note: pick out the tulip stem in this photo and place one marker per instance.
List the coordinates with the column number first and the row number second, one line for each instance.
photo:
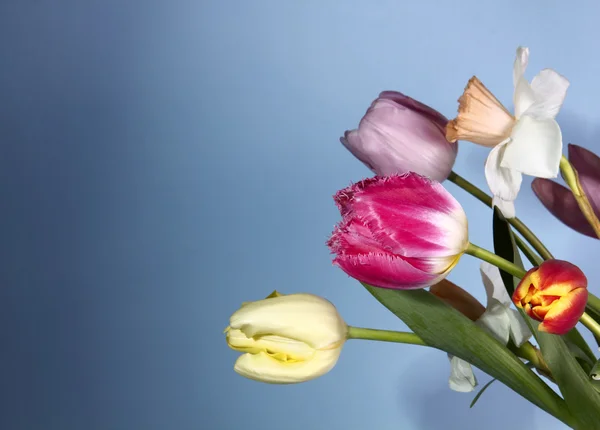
column 384, row 335
column 590, row 324
column 515, row 222
column 496, row 260
column 593, row 303
column 571, row 177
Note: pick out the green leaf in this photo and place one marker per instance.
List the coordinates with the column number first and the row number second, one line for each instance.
column 443, row 327
column 582, row 399
column 481, row 392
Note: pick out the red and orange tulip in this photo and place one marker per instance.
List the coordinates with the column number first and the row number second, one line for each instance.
column 554, row 293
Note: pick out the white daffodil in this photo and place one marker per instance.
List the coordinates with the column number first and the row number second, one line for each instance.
column 499, row 320
column 286, row 339
column 530, row 142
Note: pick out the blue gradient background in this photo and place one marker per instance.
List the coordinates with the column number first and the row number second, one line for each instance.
column 163, row 161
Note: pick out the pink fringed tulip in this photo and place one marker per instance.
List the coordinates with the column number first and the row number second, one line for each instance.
column 399, row 134
column 560, row 201
column 554, row 293
column 400, row 232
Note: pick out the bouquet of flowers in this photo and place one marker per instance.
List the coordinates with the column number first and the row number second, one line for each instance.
column 401, row 233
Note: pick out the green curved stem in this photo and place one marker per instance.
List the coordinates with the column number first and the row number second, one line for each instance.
column 384, row 335
column 496, row 260
column 590, row 324
column 515, row 222
column 571, row 177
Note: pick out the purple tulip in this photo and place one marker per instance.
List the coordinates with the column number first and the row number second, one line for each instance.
column 560, row 201
column 399, row 135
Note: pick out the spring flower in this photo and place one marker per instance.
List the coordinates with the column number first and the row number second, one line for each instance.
column 560, row 201
column 497, row 318
column 530, row 142
column 286, row 339
column 398, row 232
column 554, row 293
column 399, row 134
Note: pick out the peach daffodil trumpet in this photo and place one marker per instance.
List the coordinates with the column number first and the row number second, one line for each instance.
column 554, row 293
column 402, row 231
column 286, row 339
column 530, row 142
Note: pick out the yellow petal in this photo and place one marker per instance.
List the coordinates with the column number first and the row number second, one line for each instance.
column 265, row 368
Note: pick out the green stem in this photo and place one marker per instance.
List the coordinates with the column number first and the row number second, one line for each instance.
column 591, row 324
column 384, row 335
column 531, row 354
column 515, row 222
column 571, row 177
column 496, row 260
column 593, row 302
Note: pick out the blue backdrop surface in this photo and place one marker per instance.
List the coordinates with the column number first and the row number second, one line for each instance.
column 163, row 161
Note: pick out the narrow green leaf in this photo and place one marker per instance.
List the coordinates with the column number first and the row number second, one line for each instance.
column 443, row 327
column 581, row 397
column 481, row 392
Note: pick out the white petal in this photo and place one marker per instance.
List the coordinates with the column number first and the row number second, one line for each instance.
column 520, row 65
column 519, row 330
column 262, row 367
column 535, row 148
column 504, row 183
column 496, row 321
column 524, row 95
column 462, row 378
column 305, row 317
column 550, row 90
column 494, row 286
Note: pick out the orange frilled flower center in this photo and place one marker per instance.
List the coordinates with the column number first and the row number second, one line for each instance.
column 537, row 303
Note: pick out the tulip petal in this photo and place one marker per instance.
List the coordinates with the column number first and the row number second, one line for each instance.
column 417, row 106
column 386, row 271
column 535, row 148
column 410, row 215
column 504, row 183
column 458, row 298
column 561, row 203
column 265, row 368
column 462, row 378
column 305, row 317
column 550, row 89
column 565, row 312
column 293, row 349
column 587, row 165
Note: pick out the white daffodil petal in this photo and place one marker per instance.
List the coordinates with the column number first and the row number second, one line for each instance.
column 265, row 368
column 535, row 148
column 494, row 286
column 550, row 89
column 519, row 330
column 520, row 65
column 496, row 321
column 462, row 378
column 524, row 96
column 504, row 183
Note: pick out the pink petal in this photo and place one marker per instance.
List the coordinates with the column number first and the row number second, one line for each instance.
column 398, row 135
column 560, row 202
column 416, row 105
column 384, row 270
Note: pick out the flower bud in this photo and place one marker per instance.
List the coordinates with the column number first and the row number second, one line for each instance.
column 400, row 232
column 399, row 134
column 554, row 293
column 560, row 200
column 286, row 338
